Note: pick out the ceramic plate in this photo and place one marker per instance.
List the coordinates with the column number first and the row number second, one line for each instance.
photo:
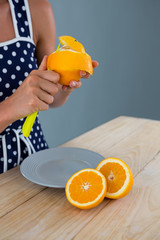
column 54, row 166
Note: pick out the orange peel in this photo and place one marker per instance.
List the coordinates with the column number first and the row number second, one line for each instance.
column 118, row 175
column 69, row 60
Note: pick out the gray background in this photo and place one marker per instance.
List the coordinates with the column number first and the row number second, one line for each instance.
column 124, row 37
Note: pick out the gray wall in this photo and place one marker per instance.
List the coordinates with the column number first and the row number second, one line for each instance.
column 124, row 36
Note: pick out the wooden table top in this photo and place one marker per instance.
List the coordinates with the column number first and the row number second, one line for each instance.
column 29, row 211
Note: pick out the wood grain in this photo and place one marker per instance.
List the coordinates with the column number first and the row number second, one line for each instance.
column 107, row 135
column 46, row 214
column 15, row 189
column 136, row 216
column 138, row 148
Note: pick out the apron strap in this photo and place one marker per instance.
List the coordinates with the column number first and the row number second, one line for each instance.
column 4, row 153
column 19, row 136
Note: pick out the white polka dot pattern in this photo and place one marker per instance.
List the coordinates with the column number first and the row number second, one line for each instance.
column 9, row 62
column 17, row 60
column 5, row 48
column 14, row 53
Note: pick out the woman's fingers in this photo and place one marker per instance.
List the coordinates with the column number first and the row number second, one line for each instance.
column 72, row 85
column 44, row 96
column 47, row 75
column 48, row 86
column 95, row 64
column 84, row 74
column 43, row 65
column 75, row 84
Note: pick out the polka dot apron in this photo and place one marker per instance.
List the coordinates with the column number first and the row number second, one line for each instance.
column 17, row 60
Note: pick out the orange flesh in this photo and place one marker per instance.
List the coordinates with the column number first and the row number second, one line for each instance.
column 115, row 175
column 86, row 187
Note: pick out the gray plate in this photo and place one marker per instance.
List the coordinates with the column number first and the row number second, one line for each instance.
column 53, row 167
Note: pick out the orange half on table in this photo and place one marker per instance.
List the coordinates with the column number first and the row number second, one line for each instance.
column 69, row 60
column 118, row 175
column 86, row 188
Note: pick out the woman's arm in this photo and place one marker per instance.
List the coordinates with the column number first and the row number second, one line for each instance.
column 44, row 29
column 6, row 115
column 38, row 86
column 44, row 34
column 36, row 93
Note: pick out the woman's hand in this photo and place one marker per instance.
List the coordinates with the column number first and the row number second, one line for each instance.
column 74, row 84
column 64, row 91
column 36, row 92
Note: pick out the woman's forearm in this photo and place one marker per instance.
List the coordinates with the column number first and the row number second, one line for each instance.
column 59, row 99
column 6, row 114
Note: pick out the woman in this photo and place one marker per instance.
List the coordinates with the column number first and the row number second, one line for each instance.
column 27, row 36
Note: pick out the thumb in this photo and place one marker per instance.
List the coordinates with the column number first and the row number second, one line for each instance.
column 43, row 65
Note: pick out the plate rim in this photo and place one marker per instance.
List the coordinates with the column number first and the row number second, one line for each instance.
column 49, row 149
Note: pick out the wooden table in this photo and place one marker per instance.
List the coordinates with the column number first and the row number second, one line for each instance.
column 29, row 211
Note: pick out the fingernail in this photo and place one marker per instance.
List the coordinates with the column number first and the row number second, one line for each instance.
column 83, row 74
column 74, row 84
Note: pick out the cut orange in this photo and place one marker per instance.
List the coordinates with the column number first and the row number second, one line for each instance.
column 69, row 60
column 86, row 188
column 118, row 175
